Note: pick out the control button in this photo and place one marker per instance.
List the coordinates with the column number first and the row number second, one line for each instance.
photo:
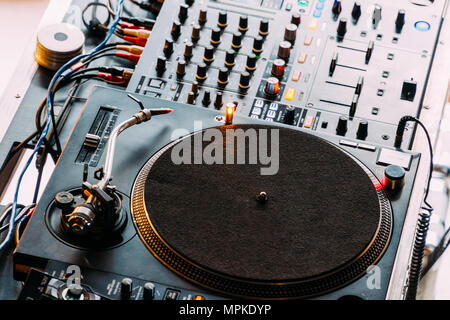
column 422, row 26
column 341, row 29
column 183, row 12
column 400, row 21
column 222, row 78
column 206, row 98
column 289, row 115
column 353, row 105
column 284, row 50
column 181, row 68
column 308, row 40
column 199, row 297
column 296, row 75
column 161, row 65
column 290, row 32
column 215, row 36
column 309, row 121
column 230, row 58
column 317, row 13
column 168, row 47
column 201, row 72
column 202, row 16
column 394, row 178
column 359, row 85
column 313, row 24
column 341, row 128
column 272, row 86
column 218, row 101
column 296, row 19
column 301, row 57
column 389, row 156
column 367, row 147
column 244, row 81
column 126, row 287
column 356, row 12
column 251, row 63
column 363, row 126
column 348, row 143
column 236, row 42
column 369, row 51
column 172, row 294
column 336, row 9
column 188, row 50
column 222, row 19
column 290, row 94
column 333, row 64
column 243, row 24
column 409, row 89
column 176, row 29
column 264, row 28
column 190, row 98
column 278, row 67
column 376, row 16
column 208, row 55
column 156, row 83
column 258, row 44
column 149, row 291
column 195, row 35
column 324, row 124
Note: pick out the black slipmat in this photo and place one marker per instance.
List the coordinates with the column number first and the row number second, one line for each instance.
column 325, row 222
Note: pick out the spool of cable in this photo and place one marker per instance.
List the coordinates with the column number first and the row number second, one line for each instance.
column 57, row 44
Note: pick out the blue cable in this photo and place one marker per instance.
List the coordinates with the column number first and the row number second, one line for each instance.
column 58, row 74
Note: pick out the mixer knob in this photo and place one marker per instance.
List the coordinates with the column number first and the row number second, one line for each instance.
column 229, row 58
column 243, row 24
column 363, row 126
column 244, row 82
column 336, row 9
column 289, row 115
column 176, row 29
column 190, row 98
column 215, row 36
column 333, row 64
column 356, row 12
column 222, row 20
column 194, row 88
column 258, row 44
column 296, row 19
column 236, row 42
column 400, row 21
column 149, row 291
column 201, row 72
column 183, row 13
column 272, row 86
column 188, row 50
column 290, row 32
column 206, row 98
column 369, row 51
column 353, row 105
column 195, row 32
column 126, row 288
column 341, row 128
column 264, row 28
column 278, row 68
column 342, row 29
column 161, row 65
column 208, row 55
column 218, row 102
column 222, row 78
column 168, row 48
column 284, row 50
column 359, row 85
column 251, row 63
column 376, row 16
column 394, row 179
column 181, row 68
column 202, row 16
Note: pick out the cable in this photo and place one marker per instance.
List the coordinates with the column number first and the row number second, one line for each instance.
column 62, row 72
column 424, row 216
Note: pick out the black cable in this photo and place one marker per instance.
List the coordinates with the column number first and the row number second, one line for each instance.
column 39, row 177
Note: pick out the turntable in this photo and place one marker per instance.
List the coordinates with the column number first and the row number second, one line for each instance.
column 321, row 224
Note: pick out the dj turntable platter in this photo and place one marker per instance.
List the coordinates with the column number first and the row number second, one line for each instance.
column 325, row 222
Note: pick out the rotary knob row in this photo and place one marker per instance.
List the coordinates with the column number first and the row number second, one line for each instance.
column 342, row 127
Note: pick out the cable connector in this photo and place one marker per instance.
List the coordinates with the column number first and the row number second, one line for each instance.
column 136, row 40
column 140, row 22
column 401, row 129
column 129, row 56
column 139, row 33
column 131, row 49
